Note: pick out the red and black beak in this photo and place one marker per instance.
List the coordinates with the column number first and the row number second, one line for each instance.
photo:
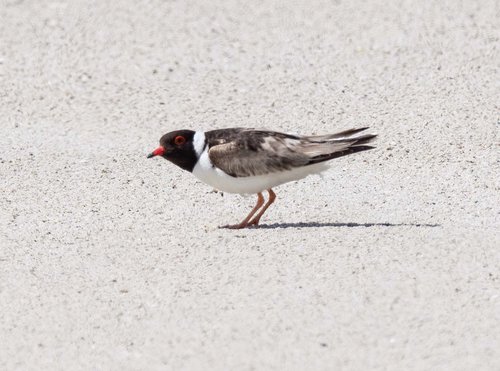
column 157, row 152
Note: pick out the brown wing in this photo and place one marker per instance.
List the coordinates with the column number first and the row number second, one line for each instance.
column 260, row 152
column 256, row 153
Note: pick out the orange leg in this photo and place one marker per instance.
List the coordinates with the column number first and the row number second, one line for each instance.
column 256, row 219
column 244, row 223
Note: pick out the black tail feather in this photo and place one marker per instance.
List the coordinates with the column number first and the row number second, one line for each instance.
column 348, row 133
column 364, row 139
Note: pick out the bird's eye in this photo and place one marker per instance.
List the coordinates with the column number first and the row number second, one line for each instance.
column 179, row 140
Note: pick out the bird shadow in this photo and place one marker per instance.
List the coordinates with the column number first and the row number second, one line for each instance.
column 342, row 225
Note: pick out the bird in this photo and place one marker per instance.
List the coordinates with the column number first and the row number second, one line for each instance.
column 251, row 161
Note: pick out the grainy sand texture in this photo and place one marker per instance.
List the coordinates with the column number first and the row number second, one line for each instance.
column 110, row 261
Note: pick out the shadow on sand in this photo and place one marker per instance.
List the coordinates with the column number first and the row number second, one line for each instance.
column 348, row 225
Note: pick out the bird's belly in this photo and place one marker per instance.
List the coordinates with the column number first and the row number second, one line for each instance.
column 218, row 179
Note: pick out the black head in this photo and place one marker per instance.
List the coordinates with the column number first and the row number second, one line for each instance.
column 177, row 147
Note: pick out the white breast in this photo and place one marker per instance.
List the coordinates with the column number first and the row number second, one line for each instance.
column 216, row 178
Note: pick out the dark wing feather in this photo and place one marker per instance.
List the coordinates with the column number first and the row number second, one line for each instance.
column 341, row 135
column 256, row 154
column 247, row 152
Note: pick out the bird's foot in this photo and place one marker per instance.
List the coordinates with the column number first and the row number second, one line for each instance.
column 253, row 223
column 250, row 224
column 234, row 226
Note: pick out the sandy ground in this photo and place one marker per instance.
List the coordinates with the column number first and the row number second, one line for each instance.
column 109, row 261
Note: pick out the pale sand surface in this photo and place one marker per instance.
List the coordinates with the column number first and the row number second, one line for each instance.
column 110, row 261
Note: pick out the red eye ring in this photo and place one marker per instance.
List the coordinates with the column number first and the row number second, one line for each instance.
column 179, row 140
